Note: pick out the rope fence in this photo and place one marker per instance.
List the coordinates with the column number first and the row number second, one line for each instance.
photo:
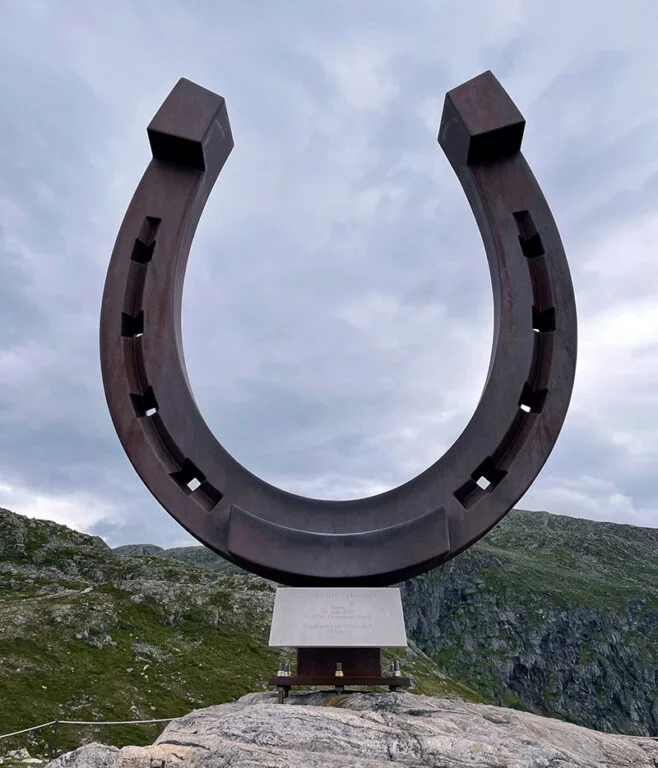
column 25, row 730
column 87, row 722
column 55, row 723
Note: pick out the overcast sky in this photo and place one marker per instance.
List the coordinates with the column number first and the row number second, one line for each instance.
column 337, row 312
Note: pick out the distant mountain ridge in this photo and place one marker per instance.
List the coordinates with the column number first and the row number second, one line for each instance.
column 199, row 556
column 138, row 550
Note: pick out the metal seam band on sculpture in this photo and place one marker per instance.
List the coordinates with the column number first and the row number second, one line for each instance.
column 328, row 553
column 382, row 539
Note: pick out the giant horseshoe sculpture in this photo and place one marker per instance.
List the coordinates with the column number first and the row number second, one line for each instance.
column 383, row 539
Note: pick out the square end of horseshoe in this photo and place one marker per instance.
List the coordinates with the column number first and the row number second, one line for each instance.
column 191, row 128
column 480, row 123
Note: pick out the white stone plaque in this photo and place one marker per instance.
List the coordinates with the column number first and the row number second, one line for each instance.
column 338, row 617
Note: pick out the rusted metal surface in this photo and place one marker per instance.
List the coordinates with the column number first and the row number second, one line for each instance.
column 355, row 662
column 359, row 666
column 383, row 539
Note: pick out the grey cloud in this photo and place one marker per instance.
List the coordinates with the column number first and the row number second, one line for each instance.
column 337, row 310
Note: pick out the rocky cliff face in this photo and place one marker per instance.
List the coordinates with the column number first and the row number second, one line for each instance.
column 367, row 730
column 551, row 614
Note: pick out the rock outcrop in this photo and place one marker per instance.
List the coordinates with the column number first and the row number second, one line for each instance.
column 369, row 730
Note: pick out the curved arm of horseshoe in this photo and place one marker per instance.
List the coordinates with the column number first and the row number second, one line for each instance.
column 383, row 539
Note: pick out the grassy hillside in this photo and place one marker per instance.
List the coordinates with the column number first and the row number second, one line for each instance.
column 86, row 634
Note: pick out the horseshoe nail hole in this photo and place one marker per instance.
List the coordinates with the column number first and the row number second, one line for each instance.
column 489, row 473
column 529, row 238
column 532, row 401
column 193, row 483
column 145, row 404
column 132, row 326
column 543, row 321
column 189, row 478
column 145, row 242
column 468, row 494
column 485, row 478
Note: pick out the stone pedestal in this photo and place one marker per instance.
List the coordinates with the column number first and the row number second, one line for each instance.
column 338, row 634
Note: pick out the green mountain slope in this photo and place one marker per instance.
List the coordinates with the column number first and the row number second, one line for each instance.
column 86, row 634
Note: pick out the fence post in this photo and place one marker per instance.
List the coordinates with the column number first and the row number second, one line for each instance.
column 53, row 741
